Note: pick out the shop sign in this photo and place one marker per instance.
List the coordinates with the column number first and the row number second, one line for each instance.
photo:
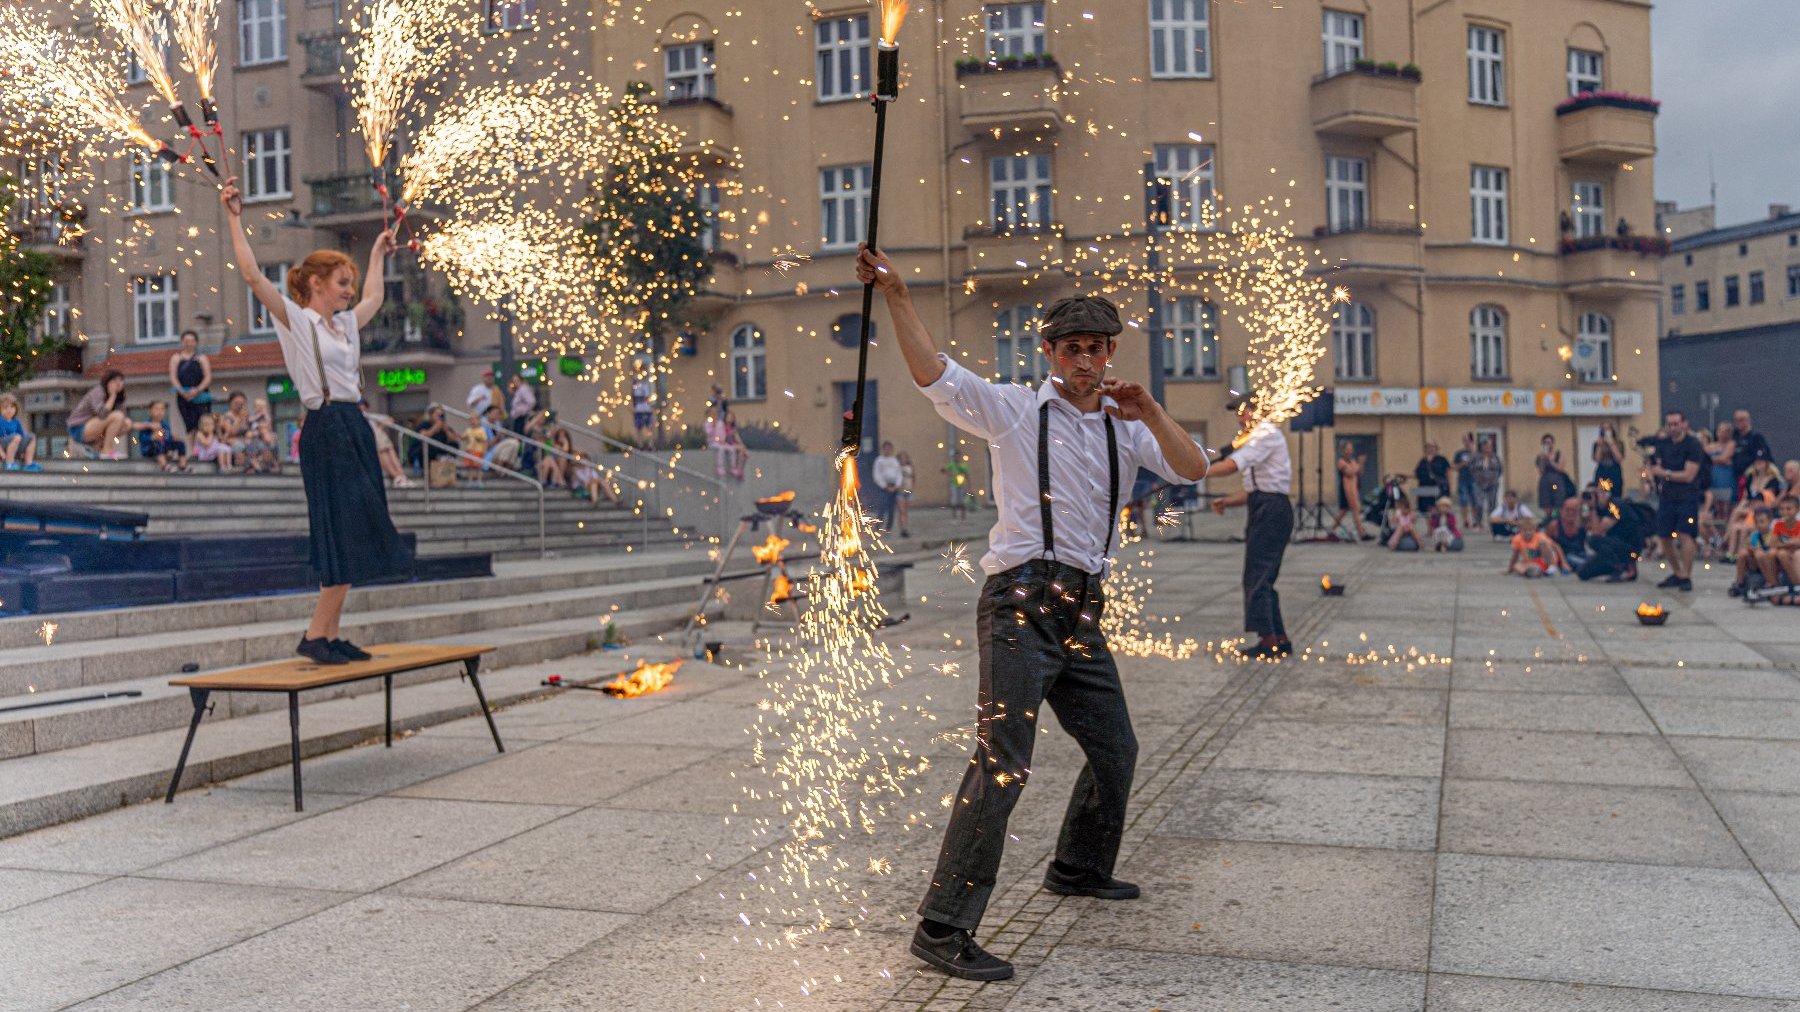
column 399, row 381
column 570, row 366
column 281, row 388
column 1487, row 401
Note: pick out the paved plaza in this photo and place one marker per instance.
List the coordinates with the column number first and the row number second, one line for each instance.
column 1472, row 794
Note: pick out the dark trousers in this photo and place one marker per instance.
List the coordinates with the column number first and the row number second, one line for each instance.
column 1265, row 541
column 1611, row 557
column 1040, row 640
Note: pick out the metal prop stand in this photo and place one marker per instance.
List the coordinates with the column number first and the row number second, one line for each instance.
column 751, row 523
column 1314, row 518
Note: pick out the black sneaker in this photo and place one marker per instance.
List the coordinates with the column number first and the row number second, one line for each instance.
column 1087, row 883
column 319, row 651
column 351, row 651
column 1672, row 581
column 1684, row 584
column 958, row 955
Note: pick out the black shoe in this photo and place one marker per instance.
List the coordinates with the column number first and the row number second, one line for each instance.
column 351, row 651
column 319, row 651
column 1737, row 590
column 958, row 955
column 1087, row 883
column 1672, row 581
column 1684, row 584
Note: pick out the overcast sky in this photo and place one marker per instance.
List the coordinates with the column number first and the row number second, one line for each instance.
column 1728, row 75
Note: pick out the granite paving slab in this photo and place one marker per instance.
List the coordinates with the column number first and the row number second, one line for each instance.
column 1548, row 712
column 1081, row 978
column 559, row 773
column 1381, row 706
column 1740, row 764
column 1641, row 760
column 1451, row 993
column 1588, row 822
column 1334, row 747
column 1321, row 808
column 1726, row 718
column 19, row 886
column 1768, row 826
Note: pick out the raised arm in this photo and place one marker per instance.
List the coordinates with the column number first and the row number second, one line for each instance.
column 374, row 281
column 916, row 345
column 264, row 289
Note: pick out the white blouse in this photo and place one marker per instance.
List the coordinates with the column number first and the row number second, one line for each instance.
column 341, row 352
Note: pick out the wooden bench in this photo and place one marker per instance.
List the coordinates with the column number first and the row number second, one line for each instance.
column 296, row 676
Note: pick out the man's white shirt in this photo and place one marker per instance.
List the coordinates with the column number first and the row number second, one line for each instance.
column 481, row 397
column 1263, row 460
column 1006, row 415
column 886, row 472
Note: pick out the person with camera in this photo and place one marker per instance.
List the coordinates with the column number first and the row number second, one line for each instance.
column 1680, row 467
column 1615, row 535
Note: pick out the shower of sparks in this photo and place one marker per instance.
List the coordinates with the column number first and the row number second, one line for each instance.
column 828, row 749
column 47, row 633
column 195, row 25
column 394, row 47
column 1129, row 629
column 786, row 261
column 893, row 15
column 956, row 560
column 57, row 91
column 143, row 29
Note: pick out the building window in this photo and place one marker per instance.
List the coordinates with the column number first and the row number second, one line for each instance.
column 749, row 364
column 511, row 15
column 267, row 159
column 1702, row 296
column 1594, row 348
column 843, row 205
column 1191, row 340
column 842, row 45
column 1743, row 249
column 152, row 188
column 1353, row 337
column 707, row 196
column 1585, row 71
column 56, row 318
column 262, row 31
column 1020, row 185
column 1016, row 355
column 1487, row 66
column 1731, row 290
column 1487, row 343
column 135, row 73
column 1192, row 169
column 1487, row 205
column 1756, row 288
column 1180, row 38
column 1589, row 209
column 262, row 323
column 1793, row 276
column 156, row 304
column 688, row 72
column 1346, row 194
column 1677, row 300
column 1015, row 30
column 1343, row 41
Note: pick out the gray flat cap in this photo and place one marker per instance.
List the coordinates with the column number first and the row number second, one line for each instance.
column 1082, row 314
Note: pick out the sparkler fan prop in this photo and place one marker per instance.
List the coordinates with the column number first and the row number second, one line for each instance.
column 395, row 46
column 195, row 24
column 887, row 91
column 62, row 83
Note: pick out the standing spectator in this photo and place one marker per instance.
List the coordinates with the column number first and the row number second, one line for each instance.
column 1607, row 466
column 190, row 373
column 1446, row 534
column 905, row 494
column 1790, row 475
column 1677, row 470
column 483, row 395
column 156, row 441
column 1569, row 530
column 1433, row 474
column 1715, row 504
column 15, row 442
column 734, row 440
column 1608, row 441
column 1349, row 494
column 886, row 474
column 718, row 440
column 99, row 421
column 1465, row 482
column 643, row 414
column 521, row 405
column 1553, row 481
column 1751, row 446
column 1488, row 471
column 1404, row 524
column 1504, row 520
column 1533, row 552
column 958, row 471
column 1615, row 538
column 209, row 447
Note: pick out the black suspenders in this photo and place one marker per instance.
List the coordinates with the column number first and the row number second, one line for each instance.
column 1044, row 512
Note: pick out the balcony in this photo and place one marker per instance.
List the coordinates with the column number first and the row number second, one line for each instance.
column 326, row 60
column 1365, row 103
column 65, row 361
column 1612, row 268
column 1378, row 251
column 52, row 236
column 1008, row 253
column 1607, row 130
column 1023, row 96
column 720, row 291
column 351, row 199
column 709, row 129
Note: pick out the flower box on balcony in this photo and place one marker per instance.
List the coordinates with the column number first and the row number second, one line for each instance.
column 1001, row 65
column 1409, row 72
column 1607, row 100
column 1642, row 245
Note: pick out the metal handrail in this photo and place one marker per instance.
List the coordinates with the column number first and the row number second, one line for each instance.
column 457, row 451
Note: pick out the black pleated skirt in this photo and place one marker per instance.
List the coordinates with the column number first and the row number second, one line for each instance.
column 353, row 538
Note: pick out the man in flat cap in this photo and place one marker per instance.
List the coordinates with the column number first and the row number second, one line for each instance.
column 1262, row 458
column 1059, row 455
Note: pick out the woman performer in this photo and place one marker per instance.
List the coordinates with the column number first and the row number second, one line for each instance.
column 318, row 321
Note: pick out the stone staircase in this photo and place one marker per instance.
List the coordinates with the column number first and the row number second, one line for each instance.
column 500, row 518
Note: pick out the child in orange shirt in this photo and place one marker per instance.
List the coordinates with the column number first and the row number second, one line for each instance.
column 1784, row 540
column 1534, row 553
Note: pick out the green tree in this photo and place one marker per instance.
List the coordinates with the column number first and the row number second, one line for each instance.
column 26, row 277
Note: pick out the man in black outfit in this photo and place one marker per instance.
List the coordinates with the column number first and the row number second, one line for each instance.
column 1615, row 536
column 1680, row 461
column 1433, row 474
column 1750, row 447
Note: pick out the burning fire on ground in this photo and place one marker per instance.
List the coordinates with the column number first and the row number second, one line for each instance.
column 643, row 680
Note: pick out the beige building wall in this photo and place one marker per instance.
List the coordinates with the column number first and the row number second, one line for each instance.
column 1760, row 259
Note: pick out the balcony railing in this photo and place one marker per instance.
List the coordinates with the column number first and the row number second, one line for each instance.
column 351, row 194
column 326, row 57
column 708, row 125
column 1371, row 250
column 1612, row 266
column 64, row 361
column 1606, row 128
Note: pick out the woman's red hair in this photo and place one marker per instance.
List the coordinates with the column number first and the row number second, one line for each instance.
column 321, row 264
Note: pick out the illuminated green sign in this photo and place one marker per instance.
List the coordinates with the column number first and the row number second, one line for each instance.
column 281, row 388
column 569, row 366
column 398, row 381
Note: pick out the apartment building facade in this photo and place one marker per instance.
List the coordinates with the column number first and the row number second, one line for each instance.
column 1475, row 172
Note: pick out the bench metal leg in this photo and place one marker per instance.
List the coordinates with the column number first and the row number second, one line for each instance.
column 199, row 699
column 469, row 668
column 294, row 744
column 387, row 688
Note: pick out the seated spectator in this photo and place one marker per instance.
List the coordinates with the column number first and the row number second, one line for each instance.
column 1446, row 532
column 475, row 444
column 588, row 480
column 210, row 447
column 434, row 426
column 535, row 438
column 157, row 442
column 1569, row 530
column 1762, row 487
column 1533, row 553
column 502, row 446
column 556, row 470
column 1757, row 560
column 1785, row 544
column 384, row 447
column 99, row 421
column 261, row 451
column 1504, row 521
column 1404, row 523
column 234, row 427
column 1616, row 533
column 18, row 448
